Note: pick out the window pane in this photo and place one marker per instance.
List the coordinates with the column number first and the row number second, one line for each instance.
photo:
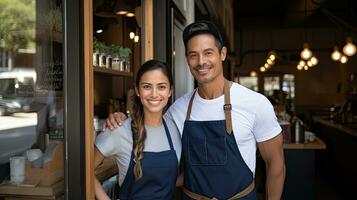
column 31, row 92
column 271, row 83
column 249, row 82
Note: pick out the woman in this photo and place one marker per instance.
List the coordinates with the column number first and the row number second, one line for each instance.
column 146, row 148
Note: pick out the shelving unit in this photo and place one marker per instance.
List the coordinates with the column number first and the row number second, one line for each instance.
column 111, row 72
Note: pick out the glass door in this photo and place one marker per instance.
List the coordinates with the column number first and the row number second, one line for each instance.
column 32, row 135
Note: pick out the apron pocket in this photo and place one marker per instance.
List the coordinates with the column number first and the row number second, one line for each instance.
column 217, row 151
column 197, row 151
column 207, row 151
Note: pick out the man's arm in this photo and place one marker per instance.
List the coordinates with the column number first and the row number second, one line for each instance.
column 114, row 120
column 272, row 153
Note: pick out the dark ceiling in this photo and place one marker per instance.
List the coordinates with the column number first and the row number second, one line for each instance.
column 268, row 14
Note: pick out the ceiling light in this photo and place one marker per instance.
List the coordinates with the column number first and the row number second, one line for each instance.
column 269, row 61
column 272, row 57
column 349, row 49
column 130, row 14
column 122, row 12
column 306, row 52
column 302, row 63
column 136, row 38
column 299, row 67
column 343, row 59
column 309, row 63
column 266, row 65
column 131, row 35
column 314, row 60
column 306, row 67
column 336, row 55
column 262, row 69
column 253, row 74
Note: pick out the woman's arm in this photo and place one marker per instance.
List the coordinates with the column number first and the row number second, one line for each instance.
column 100, row 194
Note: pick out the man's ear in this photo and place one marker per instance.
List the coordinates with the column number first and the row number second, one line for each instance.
column 223, row 53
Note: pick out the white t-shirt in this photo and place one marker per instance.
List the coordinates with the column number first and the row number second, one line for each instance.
column 118, row 143
column 253, row 117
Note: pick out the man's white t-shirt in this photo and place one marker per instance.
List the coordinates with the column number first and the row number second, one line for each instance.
column 253, row 117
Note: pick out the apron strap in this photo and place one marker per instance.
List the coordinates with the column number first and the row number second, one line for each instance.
column 168, row 135
column 188, row 113
column 228, row 106
column 239, row 195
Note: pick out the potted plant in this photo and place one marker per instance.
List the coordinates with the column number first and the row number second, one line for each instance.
column 102, row 54
column 96, row 49
column 114, row 51
column 125, row 56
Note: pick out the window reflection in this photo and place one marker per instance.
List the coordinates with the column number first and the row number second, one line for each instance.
column 31, row 88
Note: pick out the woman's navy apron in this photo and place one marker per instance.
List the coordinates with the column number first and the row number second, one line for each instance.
column 213, row 165
column 158, row 180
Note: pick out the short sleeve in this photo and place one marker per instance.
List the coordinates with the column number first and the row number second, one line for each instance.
column 104, row 143
column 266, row 125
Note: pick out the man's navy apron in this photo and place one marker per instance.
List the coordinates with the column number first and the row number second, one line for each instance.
column 213, row 165
column 158, row 180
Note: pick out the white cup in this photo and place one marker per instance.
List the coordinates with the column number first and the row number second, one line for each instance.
column 17, row 169
column 33, row 154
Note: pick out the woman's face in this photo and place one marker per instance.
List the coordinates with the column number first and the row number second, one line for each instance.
column 154, row 91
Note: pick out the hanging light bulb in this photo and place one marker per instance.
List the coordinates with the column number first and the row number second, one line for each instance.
column 309, row 63
column 272, row 57
column 131, row 35
column 299, row 67
column 349, row 49
column 253, row 74
column 302, row 63
column 343, row 59
column 306, row 67
column 262, row 69
column 136, row 38
column 335, row 55
column 269, row 61
column 314, row 60
column 266, row 65
column 306, row 52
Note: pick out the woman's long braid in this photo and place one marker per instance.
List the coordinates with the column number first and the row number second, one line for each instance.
column 139, row 135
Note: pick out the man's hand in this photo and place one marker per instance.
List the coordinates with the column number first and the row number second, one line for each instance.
column 114, row 120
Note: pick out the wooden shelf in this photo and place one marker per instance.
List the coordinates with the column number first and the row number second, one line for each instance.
column 111, row 72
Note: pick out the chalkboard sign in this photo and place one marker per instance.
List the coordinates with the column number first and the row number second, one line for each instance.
column 50, row 77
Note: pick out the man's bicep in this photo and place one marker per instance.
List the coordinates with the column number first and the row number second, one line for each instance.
column 272, row 148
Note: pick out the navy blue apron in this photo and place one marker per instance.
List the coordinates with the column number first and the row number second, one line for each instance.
column 213, row 165
column 158, row 180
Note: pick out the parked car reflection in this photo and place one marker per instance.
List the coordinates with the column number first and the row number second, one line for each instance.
column 16, row 90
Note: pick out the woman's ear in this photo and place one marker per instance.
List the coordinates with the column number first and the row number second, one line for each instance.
column 137, row 92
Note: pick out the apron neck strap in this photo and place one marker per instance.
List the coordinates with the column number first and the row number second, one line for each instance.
column 188, row 113
column 227, row 106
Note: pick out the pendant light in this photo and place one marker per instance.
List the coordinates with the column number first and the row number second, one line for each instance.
column 336, row 55
column 349, row 49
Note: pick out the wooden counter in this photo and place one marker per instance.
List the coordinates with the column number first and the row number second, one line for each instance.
column 300, row 169
column 316, row 144
column 337, row 163
column 56, row 191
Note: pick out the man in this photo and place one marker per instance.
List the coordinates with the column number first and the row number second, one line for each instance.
column 221, row 123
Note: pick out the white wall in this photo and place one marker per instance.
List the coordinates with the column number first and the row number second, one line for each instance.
column 184, row 81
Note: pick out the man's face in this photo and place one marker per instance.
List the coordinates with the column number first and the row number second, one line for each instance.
column 204, row 58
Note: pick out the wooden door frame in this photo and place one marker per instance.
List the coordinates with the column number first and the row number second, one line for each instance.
column 147, row 52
